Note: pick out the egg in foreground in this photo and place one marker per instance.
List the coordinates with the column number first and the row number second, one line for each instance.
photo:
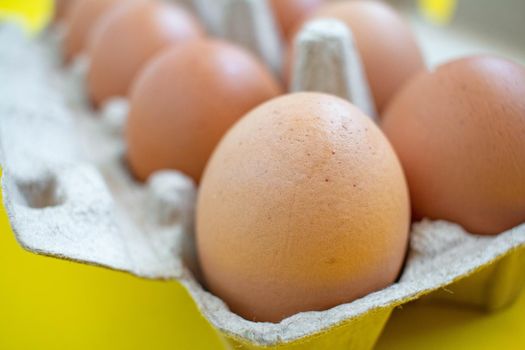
column 460, row 135
column 303, row 206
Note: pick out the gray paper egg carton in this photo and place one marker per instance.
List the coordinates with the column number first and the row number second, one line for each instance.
column 69, row 194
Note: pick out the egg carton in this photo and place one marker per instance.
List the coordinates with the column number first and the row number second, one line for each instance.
column 69, row 194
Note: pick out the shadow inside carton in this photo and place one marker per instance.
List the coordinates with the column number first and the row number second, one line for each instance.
column 421, row 324
column 39, row 194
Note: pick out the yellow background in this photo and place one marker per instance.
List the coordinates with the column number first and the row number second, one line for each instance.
column 33, row 15
column 47, row 303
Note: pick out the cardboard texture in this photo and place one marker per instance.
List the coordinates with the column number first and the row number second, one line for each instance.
column 68, row 194
column 493, row 288
column 326, row 60
column 248, row 23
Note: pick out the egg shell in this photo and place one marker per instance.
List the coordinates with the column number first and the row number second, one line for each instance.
column 388, row 47
column 61, row 8
column 80, row 20
column 460, row 134
column 303, row 206
column 289, row 13
column 127, row 37
column 186, row 99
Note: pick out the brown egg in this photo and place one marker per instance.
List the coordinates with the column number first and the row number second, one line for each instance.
column 81, row 17
column 61, row 8
column 127, row 37
column 289, row 13
column 460, row 134
column 186, row 99
column 388, row 48
column 303, row 206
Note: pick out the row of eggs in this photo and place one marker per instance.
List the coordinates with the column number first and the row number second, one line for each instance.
column 304, row 202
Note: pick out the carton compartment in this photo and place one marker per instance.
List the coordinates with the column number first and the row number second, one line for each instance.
column 40, row 194
column 493, row 288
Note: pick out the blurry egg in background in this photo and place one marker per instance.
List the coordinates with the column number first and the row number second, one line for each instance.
column 460, row 134
column 61, row 8
column 303, row 206
column 186, row 99
column 388, row 48
column 290, row 13
column 80, row 19
column 127, row 37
